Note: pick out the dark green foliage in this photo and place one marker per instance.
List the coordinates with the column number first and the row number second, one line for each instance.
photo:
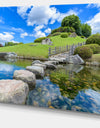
column 69, row 33
column 84, row 51
column 86, row 30
column 94, row 39
column 10, row 44
column 82, row 36
column 56, row 34
column 71, row 83
column 95, row 48
column 1, row 45
column 39, row 40
column 64, row 35
column 72, row 21
column 21, row 43
column 63, row 29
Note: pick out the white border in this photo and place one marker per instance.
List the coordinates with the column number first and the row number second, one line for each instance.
column 43, row 2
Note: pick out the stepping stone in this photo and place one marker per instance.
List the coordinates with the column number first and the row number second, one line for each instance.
column 26, row 76
column 40, row 65
column 13, row 91
column 38, row 71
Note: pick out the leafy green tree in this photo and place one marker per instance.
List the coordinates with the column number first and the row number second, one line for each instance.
column 86, row 30
column 72, row 21
column 1, row 45
column 10, row 44
column 21, row 43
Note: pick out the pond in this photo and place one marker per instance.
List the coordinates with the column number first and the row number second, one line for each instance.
column 72, row 87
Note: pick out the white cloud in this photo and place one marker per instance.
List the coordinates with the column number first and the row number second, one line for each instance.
column 22, row 11
column 6, row 37
column 1, row 20
column 70, row 12
column 17, row 29
column 22, row 35
column 95, row 23
column 48, row 30
column 42, row 15
column 39, row 34
column 15, row 41
column 37, row 28
column 97, row 5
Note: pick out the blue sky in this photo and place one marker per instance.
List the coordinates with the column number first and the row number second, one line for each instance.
column 24, row 24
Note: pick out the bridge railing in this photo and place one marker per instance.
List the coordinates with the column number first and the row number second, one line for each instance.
column 62, row 49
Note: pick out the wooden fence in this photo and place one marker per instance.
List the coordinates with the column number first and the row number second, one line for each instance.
column 62, row 49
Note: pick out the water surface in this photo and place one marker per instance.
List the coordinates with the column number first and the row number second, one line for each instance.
column 56, row 94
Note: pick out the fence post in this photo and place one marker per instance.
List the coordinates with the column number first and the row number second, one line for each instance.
column 55, row 50
column 66, row 47
column 59, row 49
column 49, row 51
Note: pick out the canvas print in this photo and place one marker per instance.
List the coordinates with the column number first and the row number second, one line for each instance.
column 50, row 56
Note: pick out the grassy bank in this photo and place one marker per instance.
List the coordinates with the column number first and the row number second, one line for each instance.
column 38, row 50
column 96, row 57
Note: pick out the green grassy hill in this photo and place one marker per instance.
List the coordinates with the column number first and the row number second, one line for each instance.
column 38, row 50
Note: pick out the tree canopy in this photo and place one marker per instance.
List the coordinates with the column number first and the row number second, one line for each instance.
column 72, row 21
column 86, row 30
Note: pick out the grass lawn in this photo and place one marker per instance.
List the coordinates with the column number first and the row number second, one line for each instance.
column 96, row 57
column 39, row 50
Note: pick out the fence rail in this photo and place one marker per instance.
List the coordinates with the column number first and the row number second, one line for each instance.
column 62, row 49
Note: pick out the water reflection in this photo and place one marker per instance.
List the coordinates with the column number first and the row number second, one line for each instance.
column 6, row 70
column 47, row 94
column 80, row 94
column 82, row 97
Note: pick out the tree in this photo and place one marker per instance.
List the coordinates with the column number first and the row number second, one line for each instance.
column 1, row 45
column 72, row 21
column 86, row 30
column 10, row 44
column 21, row 43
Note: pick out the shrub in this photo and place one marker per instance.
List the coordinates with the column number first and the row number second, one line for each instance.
column 84, row 51
column 95, row 48
column 21, row 43
column 94, row 39
column 39, row 40
column 63, row 29
column 69, row 33
column 56, row 34
column 64, row 35
column 82, row 36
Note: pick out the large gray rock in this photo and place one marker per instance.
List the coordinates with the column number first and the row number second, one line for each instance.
column 11, row 55
column 26, row 76
column 40, row 65
column 13, row 91
column 49, row 65
column 47, row 41
column 52, row 62
column 46, row 64
column 74, row 59
column 58, row 59
column 38, row 71
column 37, row 62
